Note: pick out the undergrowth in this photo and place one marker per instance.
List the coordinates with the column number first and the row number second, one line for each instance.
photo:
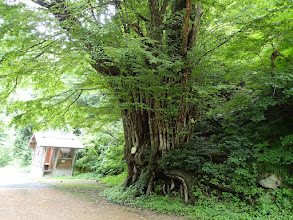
column 113, row 181
column 207, row 207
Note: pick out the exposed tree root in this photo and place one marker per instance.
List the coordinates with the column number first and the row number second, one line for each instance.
column 187, row 179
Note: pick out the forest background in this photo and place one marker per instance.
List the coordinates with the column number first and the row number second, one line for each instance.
column 211, row 80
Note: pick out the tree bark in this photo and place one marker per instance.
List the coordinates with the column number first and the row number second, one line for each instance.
column 147, row 137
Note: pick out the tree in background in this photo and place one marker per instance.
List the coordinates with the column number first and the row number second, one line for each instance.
column 104, row 150
column 21, row 152
column 5, row 144
column 5, row 156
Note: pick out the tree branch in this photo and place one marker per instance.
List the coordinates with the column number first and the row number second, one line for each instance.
column 92, row 11
column 276, row 54
column 42, row 42
column 195, row 26
column 98, row 6
column 155, row 30
column 63, row 100
column 121, row 13
column 105, row 70
column 154, row 5
column 59, row 102
column 142, row 17
column 60, row 10
column 84, row 89
column 67, row 108
column 49, row 45
column 164, row 7
column 185, row 27
column 137, row 29
column 14, row 87
column 216, row 47
column 62, row 93
column 286, row 58
column 42, row 3
column 71, row 90
column 261, row 60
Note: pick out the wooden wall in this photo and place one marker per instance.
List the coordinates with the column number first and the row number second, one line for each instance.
column 64, row 164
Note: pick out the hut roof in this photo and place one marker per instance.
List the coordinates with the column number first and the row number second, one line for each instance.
column 55, row 139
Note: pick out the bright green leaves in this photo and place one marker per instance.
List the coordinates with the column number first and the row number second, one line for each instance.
column 244, row 63
column 103, row 153
column 145, row 73
column 36, row 54
column 45, row 63
column 21, row 152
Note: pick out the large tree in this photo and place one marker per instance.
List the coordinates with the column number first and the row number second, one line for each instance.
column 148, row 54
column 143, row 55
column 153, row 82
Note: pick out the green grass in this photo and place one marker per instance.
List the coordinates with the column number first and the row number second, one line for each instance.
column 80, row 176
column 113, row 181
column 110, row 181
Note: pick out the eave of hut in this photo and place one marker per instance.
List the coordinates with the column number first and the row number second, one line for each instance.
column 55, row 139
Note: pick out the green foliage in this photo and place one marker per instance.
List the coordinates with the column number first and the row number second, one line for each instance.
column 114, row 181
column 5, row 156
column 229, row 207
column 85, row 176
column 257, row 149
column 104, row 151
column 245, row 104
column 277, row 201
column 190, row 156
column 6, row 139
column 121, row 196
column 21, row 152
column 81, row 176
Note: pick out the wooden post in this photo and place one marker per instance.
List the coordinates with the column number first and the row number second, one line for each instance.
column 56, row 160
column 44, row 160
column 51, row 158
column 73, row 162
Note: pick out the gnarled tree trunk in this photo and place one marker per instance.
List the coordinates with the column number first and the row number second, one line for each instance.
column 150, row 133
column 147, row 137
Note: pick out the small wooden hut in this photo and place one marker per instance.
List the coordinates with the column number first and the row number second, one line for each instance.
column 54, row 153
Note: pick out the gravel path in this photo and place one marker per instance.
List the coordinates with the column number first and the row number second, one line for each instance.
column 22, row 198
column 11, row 178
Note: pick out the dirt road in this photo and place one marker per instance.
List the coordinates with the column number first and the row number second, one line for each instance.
column 22, row 198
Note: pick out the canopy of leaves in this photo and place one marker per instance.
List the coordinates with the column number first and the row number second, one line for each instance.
column 56, row 71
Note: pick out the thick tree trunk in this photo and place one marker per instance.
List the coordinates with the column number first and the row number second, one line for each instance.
column 148, row 135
